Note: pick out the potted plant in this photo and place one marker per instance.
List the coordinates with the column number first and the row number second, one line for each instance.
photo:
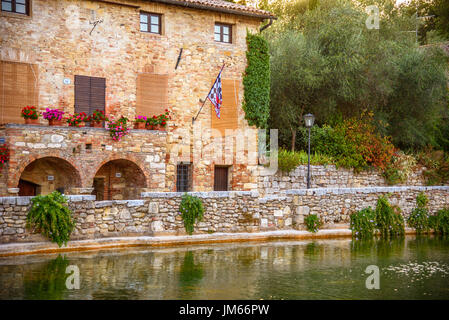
column 152, row 123
column 30, row 114
column 117, row 129
column 77, row 120
column 54, row 116
column 162, row 120
column 140, row 122
column 4, row 155
column 97, row 118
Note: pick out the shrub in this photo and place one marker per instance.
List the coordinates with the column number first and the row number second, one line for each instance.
column 289, row 160
column 419, row 218
column 50, row 216
column 312, row 223
column 363, row 224
column 437, row 166
column 440, row 221
column 191, row 210
column 399, row 169
column 389, row 220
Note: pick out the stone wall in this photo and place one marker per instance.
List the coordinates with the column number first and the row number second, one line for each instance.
column 329, row 177
column 235, row 211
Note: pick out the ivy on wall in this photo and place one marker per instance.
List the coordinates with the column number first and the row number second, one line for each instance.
column 256, row 81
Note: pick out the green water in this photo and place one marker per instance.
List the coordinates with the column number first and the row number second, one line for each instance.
column 411, row 268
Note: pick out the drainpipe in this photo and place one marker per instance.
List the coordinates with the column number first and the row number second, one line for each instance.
column 267, row 25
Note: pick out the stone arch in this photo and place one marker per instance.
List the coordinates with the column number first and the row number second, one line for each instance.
column 44, row 175
column 119, row 179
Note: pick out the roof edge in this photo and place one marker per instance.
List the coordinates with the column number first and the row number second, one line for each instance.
column 216, row 9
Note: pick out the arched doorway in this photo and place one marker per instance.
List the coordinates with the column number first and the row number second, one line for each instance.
column 119, row 180
column 45, row 175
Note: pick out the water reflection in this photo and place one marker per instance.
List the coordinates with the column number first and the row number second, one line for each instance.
column 318, row 269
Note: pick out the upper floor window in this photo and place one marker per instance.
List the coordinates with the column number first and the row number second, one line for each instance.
column 16, row 6
column 150, row 22
column 223, row 33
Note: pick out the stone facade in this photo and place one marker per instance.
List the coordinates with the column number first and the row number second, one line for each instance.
column 234, row 211
column 57, row 38
column 329, row 177
column 80, row 153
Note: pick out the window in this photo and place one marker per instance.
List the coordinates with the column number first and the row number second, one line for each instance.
column 229, row 115
column 150, row 22
column 18, row 89
column 90, row 94
column 152, row 94
column 183, row 177
column 221, row 178
column 16, row 6
column 223, row 33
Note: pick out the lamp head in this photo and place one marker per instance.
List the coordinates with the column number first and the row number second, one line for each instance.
column 309, row 119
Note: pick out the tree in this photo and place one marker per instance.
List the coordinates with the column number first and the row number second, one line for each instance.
column 327, row 62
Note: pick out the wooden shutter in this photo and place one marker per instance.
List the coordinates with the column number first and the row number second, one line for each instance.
column 229, row 115
column 97, row 94
column 221, row 179
column 90, row 94
column 18, row 89
column 152, row 94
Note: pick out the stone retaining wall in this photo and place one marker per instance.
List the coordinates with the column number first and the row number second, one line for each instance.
column 329, row 177
column 234, row 211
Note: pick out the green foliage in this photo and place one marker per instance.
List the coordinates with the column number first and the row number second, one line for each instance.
column 50, row 216
column 362, row 223
column 256, row 81
column 437, row 166
column 325, row 61
column 289, row 160
column 419, row 218
column 440, row 221
column 312, row 223
column 389, row 220
column 191, row 209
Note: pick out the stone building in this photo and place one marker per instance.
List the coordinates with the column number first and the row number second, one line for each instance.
column 127, row 58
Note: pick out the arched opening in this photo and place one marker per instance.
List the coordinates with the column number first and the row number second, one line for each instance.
column 119, row 180
column 45, row 175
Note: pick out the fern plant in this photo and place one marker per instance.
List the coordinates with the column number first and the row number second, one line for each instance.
column 192, row 210
column 50, row 216
column 313, row 223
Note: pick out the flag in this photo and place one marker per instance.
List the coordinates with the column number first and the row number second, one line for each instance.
column 215, row 95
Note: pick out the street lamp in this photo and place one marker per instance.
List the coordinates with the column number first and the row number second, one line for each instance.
column 308, row 120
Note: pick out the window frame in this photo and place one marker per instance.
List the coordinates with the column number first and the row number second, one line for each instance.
column 187, row 168
column 221, row 33
column 13, row 7
column 148, row 23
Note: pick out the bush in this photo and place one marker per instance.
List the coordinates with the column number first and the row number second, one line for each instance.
column 50, row 216
column 191, row 209
column 399, row 169
column 389, row 220
column 313, row 223
column 440, row 221
column 437, row 166
column 289, row 160
column 419, row 218
column 362, row 223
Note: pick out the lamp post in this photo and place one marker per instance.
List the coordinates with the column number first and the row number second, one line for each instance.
column 308, row 120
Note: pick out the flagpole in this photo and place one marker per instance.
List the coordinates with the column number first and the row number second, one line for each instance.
column 204, row 102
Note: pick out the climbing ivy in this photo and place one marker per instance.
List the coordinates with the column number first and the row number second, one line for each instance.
column 191, row 209
column 256, row 81
column 50, row 216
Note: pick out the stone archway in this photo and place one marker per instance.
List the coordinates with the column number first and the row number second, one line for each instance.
column 119, row 179
column 47, row 174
